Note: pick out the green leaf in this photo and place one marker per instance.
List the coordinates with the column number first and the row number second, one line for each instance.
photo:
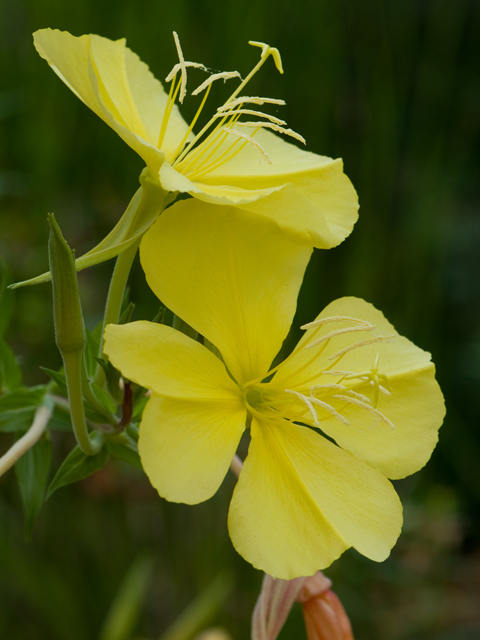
column 6, row 299
column 59, row 378
column 10, row 374
column 32, row 475
column 126, row 452
column 77, row 466
column 60, row 420
column 112, row 377
column 17, row 407
column 144, row 207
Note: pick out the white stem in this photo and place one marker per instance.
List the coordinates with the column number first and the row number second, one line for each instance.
column 26, row 442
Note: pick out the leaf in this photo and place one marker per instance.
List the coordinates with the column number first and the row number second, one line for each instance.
column 6, row 299
column 112, row 377
column 18, row 407
column 77, row 466
column 126, row 452
column 59, row 378
column 32, row 475
column 10, row 374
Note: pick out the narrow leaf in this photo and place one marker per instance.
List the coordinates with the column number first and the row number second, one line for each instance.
column 10, row 374
column 77, row 466
column 32, row 475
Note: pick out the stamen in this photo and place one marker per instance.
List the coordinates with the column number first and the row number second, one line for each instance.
column 342, row 352
column 337, row 332
column 269, row 125
column 250, row 100
column 224, row 75
column 256, row 144
column 168, row 110
column 192, row 124
column 250, row 112
column 267, row 50
column 368, row 407
column 326, row 386
column 309, row 402
column 321, row 321
column 178, row 67
column 183, row 66
column 360, row 396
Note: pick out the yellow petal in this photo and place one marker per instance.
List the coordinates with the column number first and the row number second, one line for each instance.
column 318, row 204
column 166, row 361
column 301, row 501
column 113, row 82
column 415, row 407
column 186, row 446
column 230, row 275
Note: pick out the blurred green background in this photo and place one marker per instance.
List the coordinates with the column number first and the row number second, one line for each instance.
column 391, row 86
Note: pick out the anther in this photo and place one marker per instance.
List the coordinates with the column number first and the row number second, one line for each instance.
column 337, row 332
column 250, row 100
column 310, row 401
column 368, row 407
column 224, row 75
column 250, row 112
column 363, row 343
column 275, row 127
column 267, row 50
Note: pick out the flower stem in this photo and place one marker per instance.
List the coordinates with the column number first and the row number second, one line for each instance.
column 73, row 372
column 115, row 296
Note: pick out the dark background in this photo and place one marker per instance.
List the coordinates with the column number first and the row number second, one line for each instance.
column 393, row 88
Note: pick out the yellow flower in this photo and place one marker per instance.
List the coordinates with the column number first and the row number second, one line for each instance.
column 353, row 405
column 228, row 161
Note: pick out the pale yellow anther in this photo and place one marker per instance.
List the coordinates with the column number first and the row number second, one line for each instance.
column 183, row 89
column 224, row 75
column 178, row 67
column 338, row 332
column 359, row 403
column 250, row 112
column 250, row 100
column 363, row 343
column 275, row 127
column 267, row 50
column 310, row 401
column 251, row 140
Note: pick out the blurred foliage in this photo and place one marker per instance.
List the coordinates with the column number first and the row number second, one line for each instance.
column 393, row 88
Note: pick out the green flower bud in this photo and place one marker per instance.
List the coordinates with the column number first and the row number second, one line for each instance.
column 67, row 311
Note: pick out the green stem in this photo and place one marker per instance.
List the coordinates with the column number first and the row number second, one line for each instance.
column 115, row 296
column 73, row 372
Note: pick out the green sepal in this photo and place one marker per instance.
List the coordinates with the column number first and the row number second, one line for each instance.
column 10, row 374
column 141, row 213
column 77, row 466
column 18, row 407
column 6, row 299
column 59, row 378
column 32, row 475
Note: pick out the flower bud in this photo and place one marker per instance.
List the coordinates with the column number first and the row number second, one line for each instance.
column 67, row 311
column 324, row 615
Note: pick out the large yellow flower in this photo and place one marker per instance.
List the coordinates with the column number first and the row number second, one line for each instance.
column 228, row 161
column 353, row 405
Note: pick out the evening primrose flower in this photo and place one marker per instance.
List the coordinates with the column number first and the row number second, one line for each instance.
column 237, row 158
column 353, row 405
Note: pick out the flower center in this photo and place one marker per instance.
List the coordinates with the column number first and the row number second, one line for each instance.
column 327, row 392
column 224, row 136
